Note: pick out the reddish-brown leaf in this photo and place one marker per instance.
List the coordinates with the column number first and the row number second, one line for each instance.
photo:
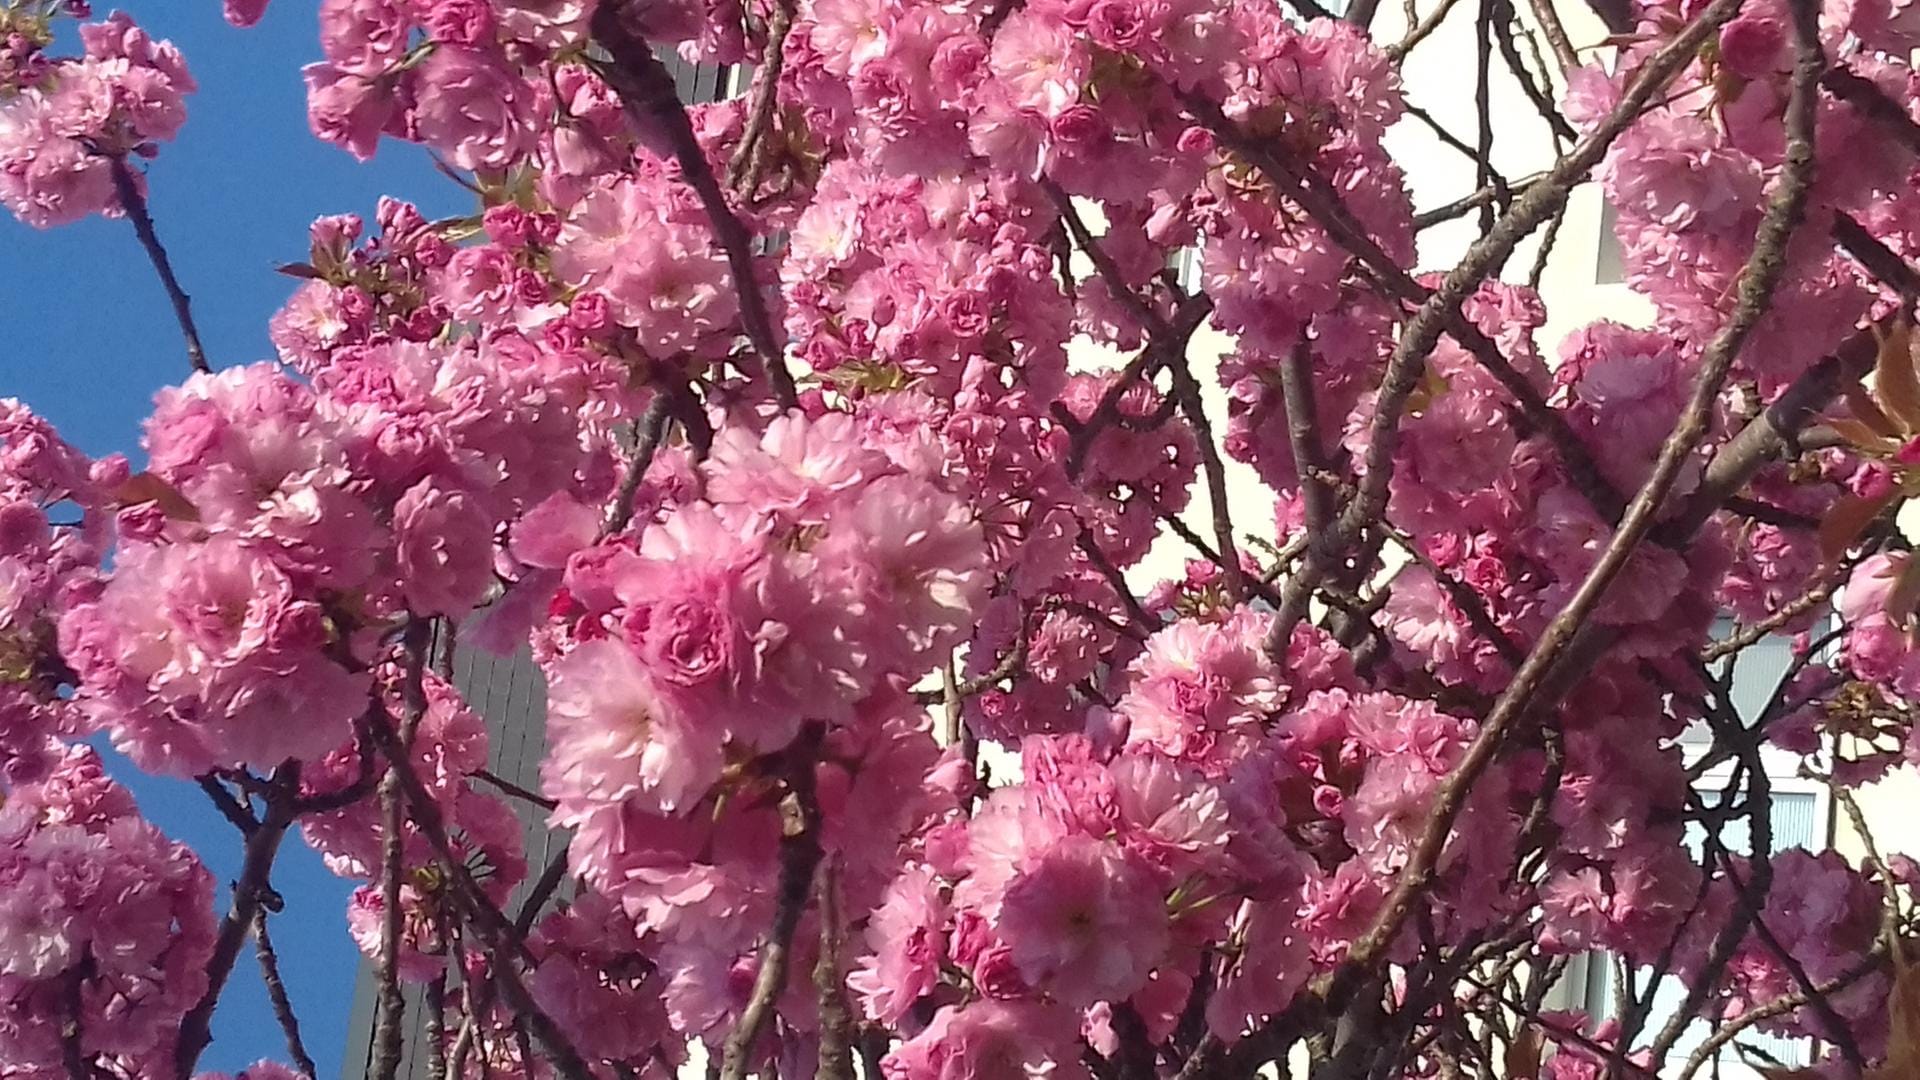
column 1843, row 524
column 1903, row 1023
column 1895, row 383
column 1523, row 1055
column 1868, row 412
column 144, row 487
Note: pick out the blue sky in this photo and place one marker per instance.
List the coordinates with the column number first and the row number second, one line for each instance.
column 86, row 337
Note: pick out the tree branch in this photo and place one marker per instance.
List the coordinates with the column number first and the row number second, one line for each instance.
column 127, row 188
column 800, row 853
column 1501, row 25
column 492, row 927
column 1419, row 32
column 508, row 787
column 749, row 157
column 1873, row 103
column 836, row 1023
column 651, row 426
column 1758, row 279
column 1549, row 19
column 389, row 1007
column 647, row 92
column 542, row 891
column 1442, row 307
column 256, row 868
column 277, row 995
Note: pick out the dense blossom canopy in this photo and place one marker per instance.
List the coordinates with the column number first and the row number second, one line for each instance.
column 872, row 728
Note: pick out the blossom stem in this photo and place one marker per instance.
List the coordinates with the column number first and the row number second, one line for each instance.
column 135, row 204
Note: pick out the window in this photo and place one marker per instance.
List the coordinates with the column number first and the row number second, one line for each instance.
column 1799, row 818
column 1610, row 263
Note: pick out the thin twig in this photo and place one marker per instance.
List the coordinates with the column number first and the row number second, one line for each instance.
column 256, row 868
column 277, row 995
column 1484, row 174
column 1168, row 339
column 1879, row 260
column 1779, row 1006
column 749, row 157
column 506, row 786
column 1501, row 24
column 1442, row 307
column 127, row 188
column 364, row 779
column 1116, row 581
column 648, row 431
column 389, row 1006
column 230, row 808
column 1814, row 596
column 543, row 889
column 491, row 926
column 1417, row 33
column 1187, row 389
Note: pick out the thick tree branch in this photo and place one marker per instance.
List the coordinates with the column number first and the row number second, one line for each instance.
column 1556, row 31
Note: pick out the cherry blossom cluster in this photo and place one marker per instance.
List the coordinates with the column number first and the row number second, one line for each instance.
column 765, row 426
column 66, row 123
column 106, row 927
